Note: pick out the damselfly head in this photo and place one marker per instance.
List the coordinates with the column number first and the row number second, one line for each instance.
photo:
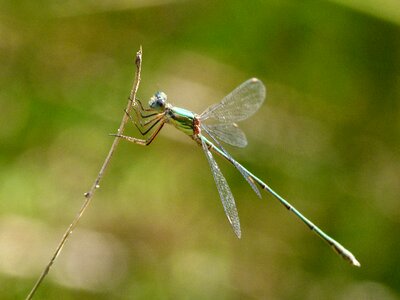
column 158, row 101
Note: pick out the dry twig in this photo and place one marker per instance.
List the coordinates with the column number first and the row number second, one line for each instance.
column 90, row 193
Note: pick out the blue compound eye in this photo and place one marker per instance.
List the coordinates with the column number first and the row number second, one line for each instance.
column 158, row 101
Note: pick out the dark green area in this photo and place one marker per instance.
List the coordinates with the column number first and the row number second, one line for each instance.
column 327, row 139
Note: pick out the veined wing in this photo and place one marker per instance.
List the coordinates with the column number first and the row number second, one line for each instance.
column 240, row 104
column 244, row 173
column 229, row 133
column 224, row 191
column 248, row 178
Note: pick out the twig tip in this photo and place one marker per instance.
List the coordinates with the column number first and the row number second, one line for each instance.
column 139, row 56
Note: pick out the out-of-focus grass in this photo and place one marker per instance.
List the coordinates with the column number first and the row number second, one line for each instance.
column 387, row 10
column 327, row 139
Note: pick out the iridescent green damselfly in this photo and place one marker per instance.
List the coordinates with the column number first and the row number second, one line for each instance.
column 240, row 104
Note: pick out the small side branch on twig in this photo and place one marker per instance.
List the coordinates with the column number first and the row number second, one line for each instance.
column 96, row 184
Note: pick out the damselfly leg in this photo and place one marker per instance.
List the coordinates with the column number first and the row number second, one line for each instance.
column 155, row 122
column 142, row 125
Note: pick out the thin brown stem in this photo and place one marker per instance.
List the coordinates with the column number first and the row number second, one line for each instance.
column 90, row 193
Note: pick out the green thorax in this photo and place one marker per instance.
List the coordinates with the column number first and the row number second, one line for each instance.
column 181, row 118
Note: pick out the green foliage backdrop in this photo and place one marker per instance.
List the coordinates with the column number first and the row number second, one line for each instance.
column 327, row 139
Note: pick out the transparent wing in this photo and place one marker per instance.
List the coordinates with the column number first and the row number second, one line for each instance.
column 240, row 104
column 242, row 171
column 247, row 177
column 224, row 191
column 229, row 133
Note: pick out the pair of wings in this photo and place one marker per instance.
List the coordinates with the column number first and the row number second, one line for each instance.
column 239, row 105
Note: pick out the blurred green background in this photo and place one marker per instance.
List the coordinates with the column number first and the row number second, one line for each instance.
column 327, row 139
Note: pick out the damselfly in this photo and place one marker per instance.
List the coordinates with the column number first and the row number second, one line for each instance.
column 240, row 104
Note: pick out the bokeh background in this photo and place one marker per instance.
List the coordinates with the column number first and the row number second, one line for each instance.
column 327, row 139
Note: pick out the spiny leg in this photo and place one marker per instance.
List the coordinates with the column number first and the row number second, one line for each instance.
column 155, row 120
column 141, row 141
column 139, row 114
column 141, row 106
column 141, row 109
